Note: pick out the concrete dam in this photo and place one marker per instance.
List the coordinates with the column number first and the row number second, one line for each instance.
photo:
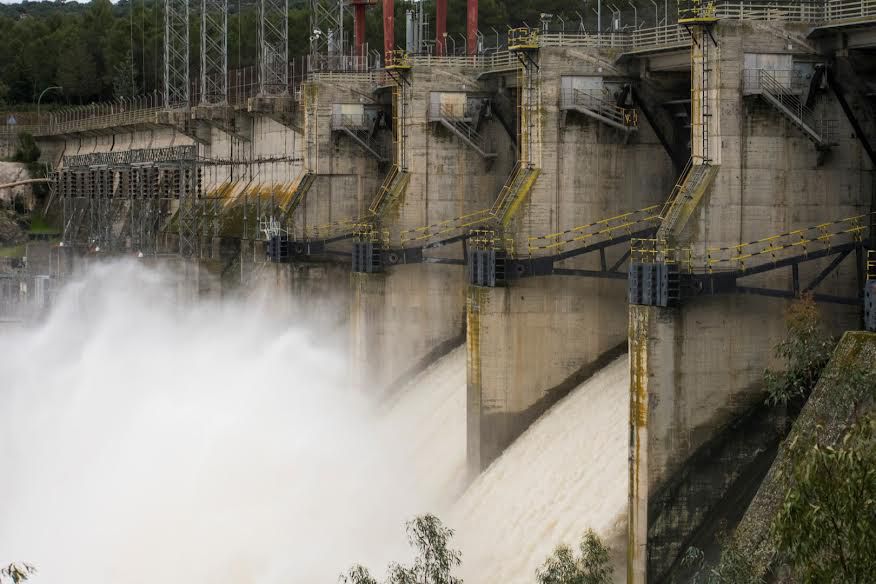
column 544, row 279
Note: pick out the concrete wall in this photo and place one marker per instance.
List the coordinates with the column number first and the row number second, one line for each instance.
column 409, row 315
column 532, row 342
column 694, row 369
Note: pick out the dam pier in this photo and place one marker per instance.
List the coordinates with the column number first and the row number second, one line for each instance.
column 549, row 203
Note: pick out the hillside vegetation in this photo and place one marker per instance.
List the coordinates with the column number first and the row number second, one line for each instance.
column 99, row 51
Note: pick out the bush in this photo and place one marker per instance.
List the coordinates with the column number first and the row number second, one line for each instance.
column 27, row 150
column 434, row 563
column 826, row 528
column 734, row 566
column 591, row 566
column 806, row 349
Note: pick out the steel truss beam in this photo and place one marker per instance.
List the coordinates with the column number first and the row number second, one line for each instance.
column 176, row 53
column 728, row 282
column 214, row 52
column 692, row 284
column 327, row 35
column 273, row 47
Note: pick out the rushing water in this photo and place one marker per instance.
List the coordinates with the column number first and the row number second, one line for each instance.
column 565, row 474
column 145, row 441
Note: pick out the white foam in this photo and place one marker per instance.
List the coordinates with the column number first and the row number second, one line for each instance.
column 565, row 474
column 142, row 441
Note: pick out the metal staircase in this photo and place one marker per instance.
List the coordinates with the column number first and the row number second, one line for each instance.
column 516, row 187
column 464, row 126
column 362, row 131
column 298, row 191
column 684, row 198
column 790, row 105
column 603, row 110
column 389, row 191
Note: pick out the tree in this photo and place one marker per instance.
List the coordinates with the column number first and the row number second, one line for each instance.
column 806, row 349
column 357, row 575
column 434, row 562
column 826, row 528
column 591, row 566
column 734, row 567
column 27, row 150
column 16, row 572
column 77, row 73
column 123, row 79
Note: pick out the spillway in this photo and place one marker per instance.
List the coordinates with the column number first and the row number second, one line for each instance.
column 429, row 413
column 213, row 455
column 565, row 474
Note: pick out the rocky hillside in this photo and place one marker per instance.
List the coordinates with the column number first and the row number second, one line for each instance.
column 16, row 203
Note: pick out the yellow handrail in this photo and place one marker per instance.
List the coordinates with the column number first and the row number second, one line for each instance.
column 771, row 248
column 609, row 227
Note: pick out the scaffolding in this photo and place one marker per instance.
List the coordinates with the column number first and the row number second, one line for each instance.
column 176, row 54
column 214, row 52
column 327, row 35
column 273, row 47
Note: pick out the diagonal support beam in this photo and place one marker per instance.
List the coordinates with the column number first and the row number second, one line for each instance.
column 827, row 270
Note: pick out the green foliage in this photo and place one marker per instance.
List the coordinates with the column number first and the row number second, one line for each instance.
column 434, row 562
column 16, row 573
column 806, row 350
column 86, row 48
column 123, row 78
column 27, row 150
column 591, row 566
column 357, row 575
column 734, row 567
column 826, row 528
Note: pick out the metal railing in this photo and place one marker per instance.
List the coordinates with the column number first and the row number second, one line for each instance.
column 679, row 185
column 384, row 191
column 522, row 38
column 571, row 98
column 456, row 111
column 767, row 250
column 243, row 83
column 340, row 64
column 506, row 195
column 500, row 60
column 794, row 104
column 774, row 247
column 790, row 79
column 658, row 251
column 841, row 11
column 489, row 239
column 444, row 228
column 604, row 229
column 461, row 118
column 351, row 121
column 397, row 59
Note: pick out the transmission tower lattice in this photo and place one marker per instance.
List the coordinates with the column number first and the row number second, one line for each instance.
column 327, row 26
column 274, row 53
column 176, row 53
column 214, row 52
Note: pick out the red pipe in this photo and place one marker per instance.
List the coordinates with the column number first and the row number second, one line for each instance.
column 388, row 26
column 471, row 29
column 440, row 27
column 359, row 28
